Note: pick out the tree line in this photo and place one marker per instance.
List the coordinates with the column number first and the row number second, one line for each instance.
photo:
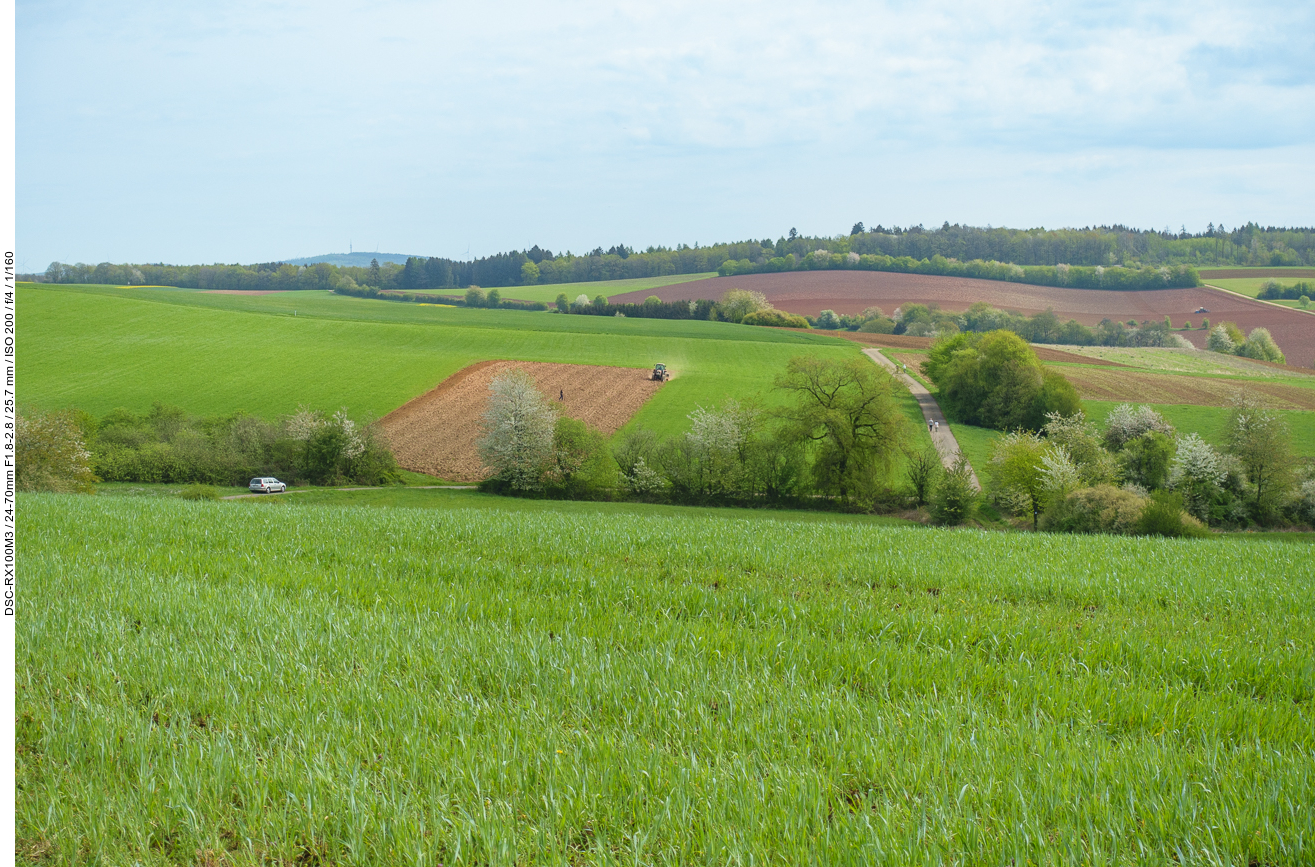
column 1062, row 275
column 69, row 450
column 1105, row 246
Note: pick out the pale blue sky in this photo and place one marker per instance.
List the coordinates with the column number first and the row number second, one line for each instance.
column 248, row 131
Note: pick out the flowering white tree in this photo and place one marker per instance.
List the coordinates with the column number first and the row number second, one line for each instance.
column 1219, row 341
column 736, row 304
column 1197, row 472
column 305, row 423
column 1127, row 422
column 49, row 453
column 1060, row 473
column 518, row 431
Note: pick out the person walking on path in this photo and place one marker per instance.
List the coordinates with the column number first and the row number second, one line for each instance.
column 561, row 394
column 946, row 446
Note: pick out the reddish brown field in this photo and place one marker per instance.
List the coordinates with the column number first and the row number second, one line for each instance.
column 1136, row 386
column 809, row 292
column 437, row 432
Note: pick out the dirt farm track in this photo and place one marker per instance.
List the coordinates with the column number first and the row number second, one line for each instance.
column 809, row 292
column 437, row 432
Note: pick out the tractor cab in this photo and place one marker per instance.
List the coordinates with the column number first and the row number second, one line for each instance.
column 660, row 373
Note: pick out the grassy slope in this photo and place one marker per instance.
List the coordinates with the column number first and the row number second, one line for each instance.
column 475, row 688
column 419, row 498
column 548, row 292
column 1250, row 286
column 97, row 350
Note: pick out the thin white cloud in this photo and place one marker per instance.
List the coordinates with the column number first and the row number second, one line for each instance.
column 285, row 127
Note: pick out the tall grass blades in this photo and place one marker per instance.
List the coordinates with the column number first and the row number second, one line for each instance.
column 386, row 686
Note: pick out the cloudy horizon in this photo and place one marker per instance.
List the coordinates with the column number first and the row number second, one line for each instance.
column 256, row 131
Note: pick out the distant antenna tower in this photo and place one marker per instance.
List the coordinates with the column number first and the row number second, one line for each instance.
column 349, row 247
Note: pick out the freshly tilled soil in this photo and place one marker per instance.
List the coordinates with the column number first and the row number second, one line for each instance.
column 810, row 292
column 1138, row 387
column 437, row 433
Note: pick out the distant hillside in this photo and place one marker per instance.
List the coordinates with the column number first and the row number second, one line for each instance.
column 359, row 260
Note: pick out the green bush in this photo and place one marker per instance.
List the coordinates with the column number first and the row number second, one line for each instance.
column 954, row 498
column 775, row 318
column 167, row 446
column 1102, row 509
column 995, row 380
column 878, row 325
column 583, row 468
column 1146, row 459
column 199, row 492
column 1164, row 516
column 827, row 320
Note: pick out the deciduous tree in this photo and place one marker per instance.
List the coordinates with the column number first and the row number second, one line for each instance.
column 846, row 412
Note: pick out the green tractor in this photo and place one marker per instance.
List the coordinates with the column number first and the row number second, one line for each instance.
column 660, row 373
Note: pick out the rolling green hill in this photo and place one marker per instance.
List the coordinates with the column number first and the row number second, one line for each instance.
column 97, row 348
column 466, row 686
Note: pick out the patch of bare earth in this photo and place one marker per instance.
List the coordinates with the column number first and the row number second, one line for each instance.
column 1136, row 386
column 437, row 433
column 809, row 292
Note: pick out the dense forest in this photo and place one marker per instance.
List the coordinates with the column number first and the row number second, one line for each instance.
column 913, row 249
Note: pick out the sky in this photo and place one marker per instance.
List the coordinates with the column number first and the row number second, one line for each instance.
column 256, row 131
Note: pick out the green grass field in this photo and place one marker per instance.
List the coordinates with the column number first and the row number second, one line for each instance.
column 97, row 349
column 548, row 292
column 221, row 683
column 1248, row 286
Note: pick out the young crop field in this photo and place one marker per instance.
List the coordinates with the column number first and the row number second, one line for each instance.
column 217, row 354
column 208, row 683
column 1248, row 286
column 548, row 292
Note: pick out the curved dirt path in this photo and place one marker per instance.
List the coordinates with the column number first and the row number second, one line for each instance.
column 946, row 445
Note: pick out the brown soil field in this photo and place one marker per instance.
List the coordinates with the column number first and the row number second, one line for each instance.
column 1136, row 386
column 1238, row 273
column 809, row 292
column 437, row 432
column 1139, row 387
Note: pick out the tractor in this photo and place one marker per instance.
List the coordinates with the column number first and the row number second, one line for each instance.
column 660, row 373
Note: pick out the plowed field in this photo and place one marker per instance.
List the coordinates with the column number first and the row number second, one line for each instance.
column 437, row 432
column 808, row 292
column 1138, row 387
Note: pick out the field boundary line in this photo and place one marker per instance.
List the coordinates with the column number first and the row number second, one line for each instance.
column 946, row 445
column 1259, row 300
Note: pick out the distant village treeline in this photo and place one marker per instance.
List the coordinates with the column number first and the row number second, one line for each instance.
column 914, row 249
